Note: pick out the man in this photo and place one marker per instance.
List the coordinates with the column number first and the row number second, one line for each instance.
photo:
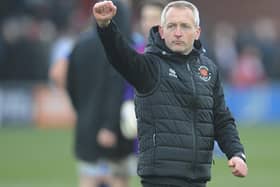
column 180, row 105
column 96, row 92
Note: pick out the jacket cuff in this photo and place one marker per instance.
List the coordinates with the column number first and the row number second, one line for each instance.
column 241, row 155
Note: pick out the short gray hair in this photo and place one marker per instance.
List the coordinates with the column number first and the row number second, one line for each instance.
column 180, row 4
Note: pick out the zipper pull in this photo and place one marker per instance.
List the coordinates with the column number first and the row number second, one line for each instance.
column 188, row 66
column 154, row 139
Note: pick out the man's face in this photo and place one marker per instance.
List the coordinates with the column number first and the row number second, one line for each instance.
column 179, row 30
column 150, row 16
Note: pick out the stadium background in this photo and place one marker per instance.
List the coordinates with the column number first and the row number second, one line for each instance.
column 36, row 119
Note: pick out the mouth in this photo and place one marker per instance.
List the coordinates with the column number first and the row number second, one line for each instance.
column 178, row 42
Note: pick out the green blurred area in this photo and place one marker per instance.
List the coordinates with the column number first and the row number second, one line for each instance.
column 44, row 158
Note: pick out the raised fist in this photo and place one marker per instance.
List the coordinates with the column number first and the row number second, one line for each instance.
column 104, row 12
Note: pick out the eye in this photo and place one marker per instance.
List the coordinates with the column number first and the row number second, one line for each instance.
column 171, row 26
column 185, row 26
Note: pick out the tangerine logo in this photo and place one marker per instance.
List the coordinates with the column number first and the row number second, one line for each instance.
column 204, row 73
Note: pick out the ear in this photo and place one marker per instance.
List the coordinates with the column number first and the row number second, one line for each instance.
column 197, row 33
column 160, row 30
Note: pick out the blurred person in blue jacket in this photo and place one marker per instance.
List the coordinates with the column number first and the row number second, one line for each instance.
column 96, row 92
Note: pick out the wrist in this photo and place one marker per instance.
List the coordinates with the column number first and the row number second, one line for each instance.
column 104, row 24
column 241, row 155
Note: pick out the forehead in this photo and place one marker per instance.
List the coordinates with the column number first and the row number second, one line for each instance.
column 179, row 14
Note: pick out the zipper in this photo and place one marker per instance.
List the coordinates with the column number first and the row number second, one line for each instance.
column 154, row 149
column 194, row 121
column 154, row 139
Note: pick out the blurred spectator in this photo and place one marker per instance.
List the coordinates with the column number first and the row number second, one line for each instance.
column 59, row 54
column 25, row 45
column 268, row 42
column 150, row 12
column 96, row 92
column 60, row 50
column 26, row 32
column 248, row 70
column 224, row 48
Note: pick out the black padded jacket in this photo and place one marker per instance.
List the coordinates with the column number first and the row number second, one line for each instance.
column 180, row 107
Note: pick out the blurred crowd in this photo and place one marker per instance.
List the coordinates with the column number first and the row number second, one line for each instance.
column 30, row 31
column 36, row 33
column 247, row 56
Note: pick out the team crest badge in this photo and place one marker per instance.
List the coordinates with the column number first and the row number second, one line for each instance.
column 204, row 73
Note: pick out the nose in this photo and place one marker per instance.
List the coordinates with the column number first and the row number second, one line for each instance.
column 178, row 32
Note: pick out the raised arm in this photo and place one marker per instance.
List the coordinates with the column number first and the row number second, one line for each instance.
column 137, row 69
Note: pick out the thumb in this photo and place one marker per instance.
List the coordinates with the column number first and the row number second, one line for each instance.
column 231, row 163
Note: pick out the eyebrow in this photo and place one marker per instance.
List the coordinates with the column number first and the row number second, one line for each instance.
column 180, row 23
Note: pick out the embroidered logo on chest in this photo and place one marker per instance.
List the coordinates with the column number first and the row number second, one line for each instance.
column 172, row 73
column 204, row 73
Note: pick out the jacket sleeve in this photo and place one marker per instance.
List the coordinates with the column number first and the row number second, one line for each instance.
column 115, row 89
column 226, row 132
column 135, row 68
